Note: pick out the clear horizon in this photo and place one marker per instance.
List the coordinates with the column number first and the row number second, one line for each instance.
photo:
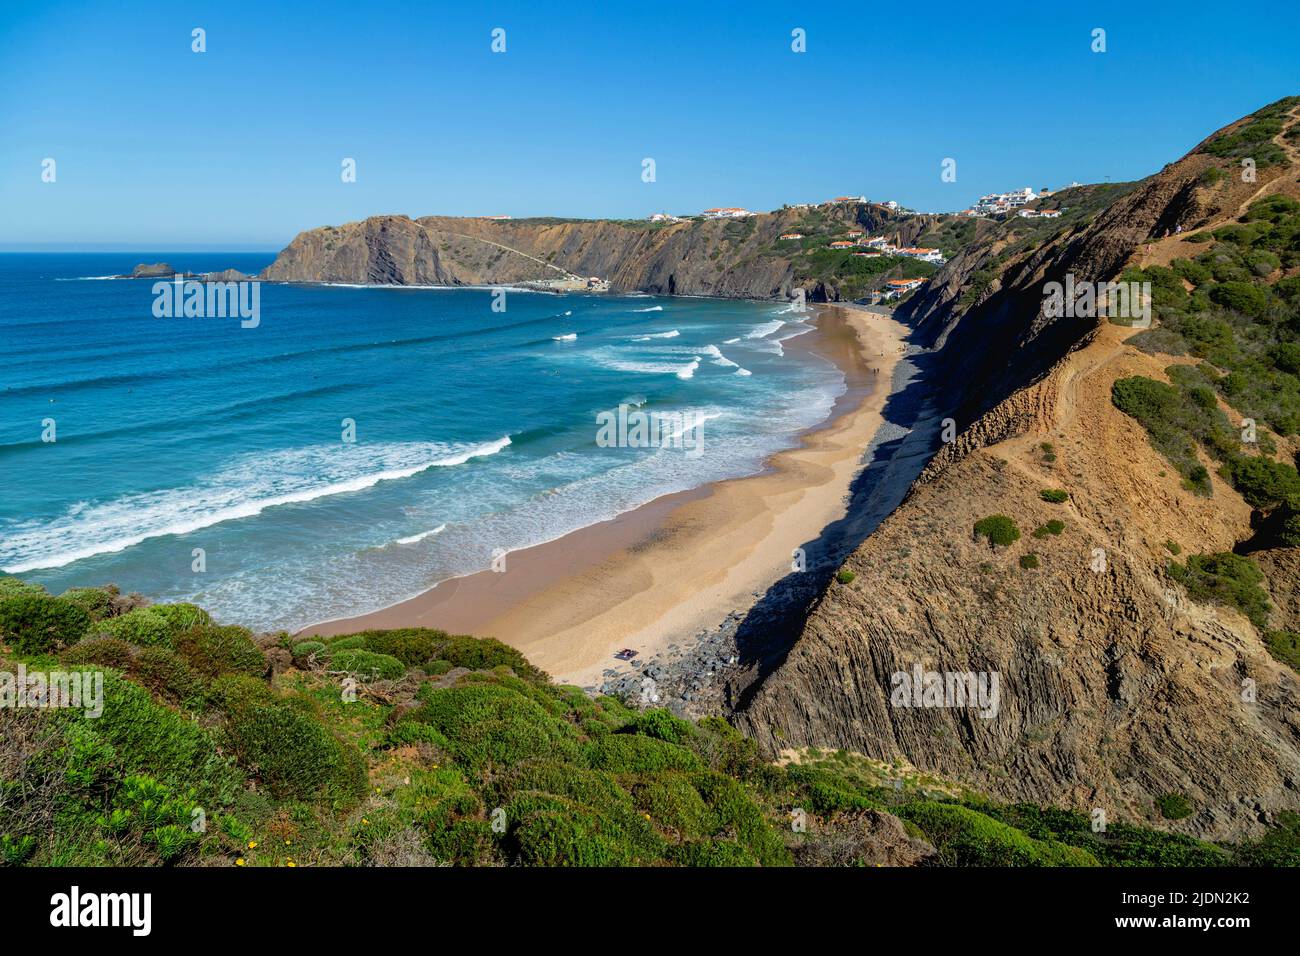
column 240, row 147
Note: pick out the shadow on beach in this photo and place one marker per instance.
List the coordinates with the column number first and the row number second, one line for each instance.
column 905, row 442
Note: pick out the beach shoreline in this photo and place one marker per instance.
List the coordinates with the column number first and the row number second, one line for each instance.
column 681, row 562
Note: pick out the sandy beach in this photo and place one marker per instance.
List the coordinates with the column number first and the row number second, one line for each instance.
column 682, row 561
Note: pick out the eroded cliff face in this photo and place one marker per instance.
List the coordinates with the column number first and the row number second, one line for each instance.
column 1115, row 689
column 728, row 258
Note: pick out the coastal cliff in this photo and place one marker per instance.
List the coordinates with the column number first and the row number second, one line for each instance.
column 739, row 258
column 1123, row 687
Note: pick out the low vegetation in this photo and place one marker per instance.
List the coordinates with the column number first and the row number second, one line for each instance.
column 998, row 529
column 1227, row 579
column 1253, row 139
column 416, row 747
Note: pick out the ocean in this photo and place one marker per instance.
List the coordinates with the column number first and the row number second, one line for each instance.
column 201, row 460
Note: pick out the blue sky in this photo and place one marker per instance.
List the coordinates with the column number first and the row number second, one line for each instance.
column 158, row 147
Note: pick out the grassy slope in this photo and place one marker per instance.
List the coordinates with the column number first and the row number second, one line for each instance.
column 1235, row 310
column 453, row 750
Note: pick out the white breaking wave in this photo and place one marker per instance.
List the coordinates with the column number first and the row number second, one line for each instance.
column 657, row 335
column 797, row 331
column 718, row 357
column 653, row 308
column 612, row 358
column 247, row 487
column 764, row 330
column 743, row 371
column 689, row 371
column 731, row 341
column 565, row 338
column 691, row 420
column 413, row 539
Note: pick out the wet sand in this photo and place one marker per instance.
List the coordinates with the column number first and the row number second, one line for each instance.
column 682, row 561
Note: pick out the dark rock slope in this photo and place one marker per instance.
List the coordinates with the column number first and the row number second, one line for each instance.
column 1116, row 690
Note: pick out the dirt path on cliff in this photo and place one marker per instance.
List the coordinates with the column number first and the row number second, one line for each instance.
column 1161, row 252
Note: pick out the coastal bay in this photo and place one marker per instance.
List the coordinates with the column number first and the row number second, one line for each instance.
column 659, row 573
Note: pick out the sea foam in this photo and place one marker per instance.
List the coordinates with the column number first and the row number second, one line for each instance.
column 246, row 488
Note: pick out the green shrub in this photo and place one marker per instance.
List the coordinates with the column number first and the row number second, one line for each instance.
column 1241, row 297
column 411, row 645
column 739, row 817
column 150, row 738
column 167, row 675
column 485, row 653
column 11, row 586
column 1053, row 527
column 625, row 753
column 367, row 665
column 965, row 837
column 844, row 576
column 1280, row 846
column 1225, row 578
column 1174, row 424
column 672, row 801
column 1029, row 561
column 101, row 651
column 662, row 725
column 1264, row 483
column 97, row 602
column 35, row 623
column 349, row 642
column 214, row 650
column 306, row 649
column 712, row 853
column 999, row 529
column 489, row 723
column 1121, row 844
column 1055, row 496
column 1285, row 646
column 1174, row 806
column 560, row 838
column 143, row 627
column 284, row 742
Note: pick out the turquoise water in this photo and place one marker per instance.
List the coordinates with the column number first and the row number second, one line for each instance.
column 475, row 429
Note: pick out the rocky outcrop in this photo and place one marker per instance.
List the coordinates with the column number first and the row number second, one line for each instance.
column 161, row 270
column 1115, row 688
column 152, row 270
column 728, row 258
column 864, row 838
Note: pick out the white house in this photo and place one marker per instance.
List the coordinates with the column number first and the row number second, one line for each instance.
column 924, row 254
column 727, row 212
